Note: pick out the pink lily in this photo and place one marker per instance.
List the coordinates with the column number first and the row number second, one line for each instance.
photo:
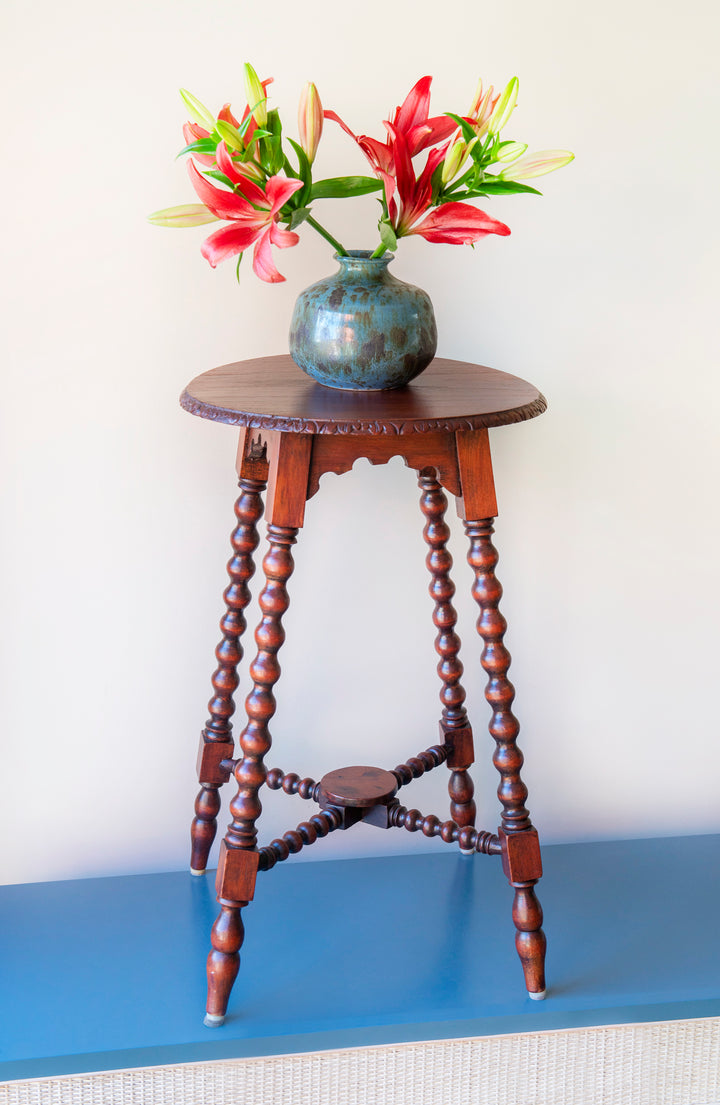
column 253, row 215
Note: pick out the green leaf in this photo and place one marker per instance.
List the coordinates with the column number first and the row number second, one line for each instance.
column 467, row 131
column 491, row 186
column 203, row 145
column 217, row 175
column 388, row 236
column 298, row 216
column 304, row 174
column 341, row 186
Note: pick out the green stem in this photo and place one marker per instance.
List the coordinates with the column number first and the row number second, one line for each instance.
column 327, row 236
column 379, row 251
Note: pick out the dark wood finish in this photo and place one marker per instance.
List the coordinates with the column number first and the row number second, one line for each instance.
column 469, row 838
column 447, row 645
column 293, row 431
column 418, row 765
column 508, row 759
column 292, row 784
column 307, row 832
column 217, row 736
column 357, row 787
column 273, row 393
column 250, row 771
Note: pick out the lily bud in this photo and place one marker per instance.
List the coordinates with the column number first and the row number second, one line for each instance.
column 537, row 164
column 455, row 158
column 256, row 98
column 188, row 214
column 477, row 100
column 511, row 151
column 504, row 107
column 198, row 112
column 310, row 120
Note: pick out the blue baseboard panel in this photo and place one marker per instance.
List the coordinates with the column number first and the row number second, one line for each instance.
column 104, row 974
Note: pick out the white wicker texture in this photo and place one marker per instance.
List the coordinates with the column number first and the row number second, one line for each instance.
column 667, row 1063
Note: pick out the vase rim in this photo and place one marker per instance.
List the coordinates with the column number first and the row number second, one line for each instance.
column 365, row 255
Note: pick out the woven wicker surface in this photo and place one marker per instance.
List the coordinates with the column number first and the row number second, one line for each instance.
column 666, row 1063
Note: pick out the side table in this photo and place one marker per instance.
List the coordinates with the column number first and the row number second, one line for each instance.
column 292, row 431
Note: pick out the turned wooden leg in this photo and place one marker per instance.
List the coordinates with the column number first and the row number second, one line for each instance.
column 239, row 859
column 520, row 848
column 216, row 741
column 454, row 725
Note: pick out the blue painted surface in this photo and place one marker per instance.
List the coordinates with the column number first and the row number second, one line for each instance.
column 108, row 973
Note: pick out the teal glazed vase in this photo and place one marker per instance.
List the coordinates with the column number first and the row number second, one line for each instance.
column 362, row 329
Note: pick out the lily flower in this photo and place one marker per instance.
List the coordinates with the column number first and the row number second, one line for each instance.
column 252, row 213
column 537, row 164
column 458, row 224
column 411, row 120
column 310, row 120
column 409, row 198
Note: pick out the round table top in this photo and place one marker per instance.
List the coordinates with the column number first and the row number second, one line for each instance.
column 272, row 393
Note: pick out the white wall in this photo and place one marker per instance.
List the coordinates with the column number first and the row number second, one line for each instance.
column 118, row 505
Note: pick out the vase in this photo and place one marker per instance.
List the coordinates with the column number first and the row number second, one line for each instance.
column 362, row 329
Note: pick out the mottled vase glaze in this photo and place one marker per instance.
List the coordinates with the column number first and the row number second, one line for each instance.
column 362, row 329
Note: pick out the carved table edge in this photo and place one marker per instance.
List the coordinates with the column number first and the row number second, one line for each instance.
column 387, row 427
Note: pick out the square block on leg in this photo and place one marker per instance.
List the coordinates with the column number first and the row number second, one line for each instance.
column 460, row 743
column 236, row 873
column 521, row 859
column 210, row 755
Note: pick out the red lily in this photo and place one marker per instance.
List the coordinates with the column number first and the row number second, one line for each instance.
column 253, row 213
column 411, row 120
column 409, row 198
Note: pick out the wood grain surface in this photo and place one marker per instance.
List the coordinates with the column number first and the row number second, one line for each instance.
column 273, row 393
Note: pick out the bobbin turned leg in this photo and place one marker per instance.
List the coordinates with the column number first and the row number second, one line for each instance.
column 216, row 741
column 235, row 884
column 519, row 840
column 455, row 728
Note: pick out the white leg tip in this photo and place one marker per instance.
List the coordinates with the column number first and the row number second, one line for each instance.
column 213, row 1020
column 467, row 851
column 538, row 995
column 194, row 872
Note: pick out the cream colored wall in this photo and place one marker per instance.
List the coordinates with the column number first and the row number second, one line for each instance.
column 118, row 505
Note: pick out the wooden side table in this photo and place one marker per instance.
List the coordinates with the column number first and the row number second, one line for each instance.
column 293, row 430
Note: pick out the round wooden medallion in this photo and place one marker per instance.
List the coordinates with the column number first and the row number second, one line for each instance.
column 361, row 787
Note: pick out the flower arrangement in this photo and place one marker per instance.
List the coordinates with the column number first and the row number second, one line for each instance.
column 244, row 177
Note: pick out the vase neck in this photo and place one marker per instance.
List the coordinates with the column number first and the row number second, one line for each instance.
column 360, row 264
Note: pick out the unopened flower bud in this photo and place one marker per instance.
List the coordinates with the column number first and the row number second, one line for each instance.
column 256, row 98
column 310, row 120
column 455, row 158
column 504, row 107
column 537, row 164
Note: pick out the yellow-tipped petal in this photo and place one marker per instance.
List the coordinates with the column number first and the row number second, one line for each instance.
column 198, row 112
column 504, row 107
column 187, row 214
column 537, row 164
column 256, row 98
